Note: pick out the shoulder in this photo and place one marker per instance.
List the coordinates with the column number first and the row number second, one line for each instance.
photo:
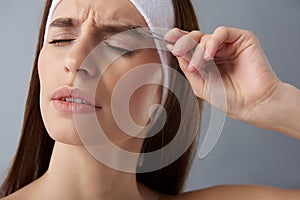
column 25, row 193
column 240, row 192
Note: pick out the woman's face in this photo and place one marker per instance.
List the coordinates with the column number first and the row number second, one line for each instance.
column 70, row 74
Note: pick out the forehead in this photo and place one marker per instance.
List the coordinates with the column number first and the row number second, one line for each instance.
column 101, row 11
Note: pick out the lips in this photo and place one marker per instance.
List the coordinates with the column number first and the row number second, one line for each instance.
column 74, row 100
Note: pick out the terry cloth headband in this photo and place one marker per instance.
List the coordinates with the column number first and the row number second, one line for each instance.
column 157, row 14
column 52, row 8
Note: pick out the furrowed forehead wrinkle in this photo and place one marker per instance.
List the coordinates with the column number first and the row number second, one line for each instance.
column 71, row 22
column 104, row 29
column 80, row 11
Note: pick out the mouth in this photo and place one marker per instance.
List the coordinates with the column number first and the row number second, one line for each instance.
column 74, row 100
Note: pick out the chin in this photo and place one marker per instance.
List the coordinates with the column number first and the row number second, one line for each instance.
column 61, row 128
column 64, row 133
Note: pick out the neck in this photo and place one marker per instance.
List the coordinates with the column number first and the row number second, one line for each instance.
column 74, row 174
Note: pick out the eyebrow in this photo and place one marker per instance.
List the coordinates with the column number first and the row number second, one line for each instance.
column 104, row 29
column 64, row 23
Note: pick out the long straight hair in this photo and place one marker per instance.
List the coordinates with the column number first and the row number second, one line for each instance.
column 35, row 146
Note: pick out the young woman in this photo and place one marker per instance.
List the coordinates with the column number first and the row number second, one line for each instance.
column 53, row 160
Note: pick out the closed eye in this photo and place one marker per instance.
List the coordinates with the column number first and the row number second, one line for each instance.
column 61, row 42
column 120, row 50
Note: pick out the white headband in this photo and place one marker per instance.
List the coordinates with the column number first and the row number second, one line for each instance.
column 52, row 8
column 157, row 14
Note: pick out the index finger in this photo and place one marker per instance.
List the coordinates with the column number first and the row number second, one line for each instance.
column 174, row 34
column 225, row 35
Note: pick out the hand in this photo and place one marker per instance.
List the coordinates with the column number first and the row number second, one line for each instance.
column 240, row 61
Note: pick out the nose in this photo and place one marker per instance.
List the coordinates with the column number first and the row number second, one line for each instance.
column 80, row 61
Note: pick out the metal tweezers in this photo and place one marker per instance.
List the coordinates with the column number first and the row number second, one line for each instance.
column 151, row 34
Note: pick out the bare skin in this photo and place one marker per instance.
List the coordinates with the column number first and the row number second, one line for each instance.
column 75, row 30
column 74, row 174
column 253, row 94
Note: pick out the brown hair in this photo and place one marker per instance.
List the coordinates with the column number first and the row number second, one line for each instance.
column 35, row 146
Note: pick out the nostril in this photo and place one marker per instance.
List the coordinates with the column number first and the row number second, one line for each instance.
column 88, row 71
column 66, row 69
column 84, row 72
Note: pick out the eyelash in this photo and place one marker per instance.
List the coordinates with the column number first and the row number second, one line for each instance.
column 61, row 42
column 122, row 51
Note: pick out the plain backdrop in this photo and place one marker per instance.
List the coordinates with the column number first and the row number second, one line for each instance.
column 243, row 155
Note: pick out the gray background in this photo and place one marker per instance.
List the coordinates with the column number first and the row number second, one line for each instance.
column 244, row 154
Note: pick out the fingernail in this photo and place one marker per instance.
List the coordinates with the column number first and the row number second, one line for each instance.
column 207, row 55
column 191, row 68
column 193, row 64
column 171, row 33
column 170, row 47
column 177, row 48
column 197, row 59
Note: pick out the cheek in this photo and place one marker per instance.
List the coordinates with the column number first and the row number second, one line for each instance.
column 42, row 71
column 46, row 66
column 50, row 70
column 124, row 108
column 59, row 127
column 141, row 102
column 45, row 79
column 41, row 62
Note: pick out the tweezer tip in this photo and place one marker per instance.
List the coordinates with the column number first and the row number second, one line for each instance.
column 134, row 27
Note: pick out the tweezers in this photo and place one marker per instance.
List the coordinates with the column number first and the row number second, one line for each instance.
column 151, row 34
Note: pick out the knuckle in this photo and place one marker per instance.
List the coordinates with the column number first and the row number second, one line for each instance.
column 176, row 30
column 221, row 29
column 196, row 33
column 184, row 37
column 250, row 34
column 188, row 37
column 199, row 48
column 179, row 31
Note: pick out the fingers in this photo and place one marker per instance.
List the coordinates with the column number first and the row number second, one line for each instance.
column 196, row 80
column 221, row 36
column 174, row 34
column 197, row 59
column 188, row 46
column 184, row 41
column 210, row 79
column 204, row 47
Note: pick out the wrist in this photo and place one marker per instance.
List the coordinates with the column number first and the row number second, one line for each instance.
column 280, row 112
